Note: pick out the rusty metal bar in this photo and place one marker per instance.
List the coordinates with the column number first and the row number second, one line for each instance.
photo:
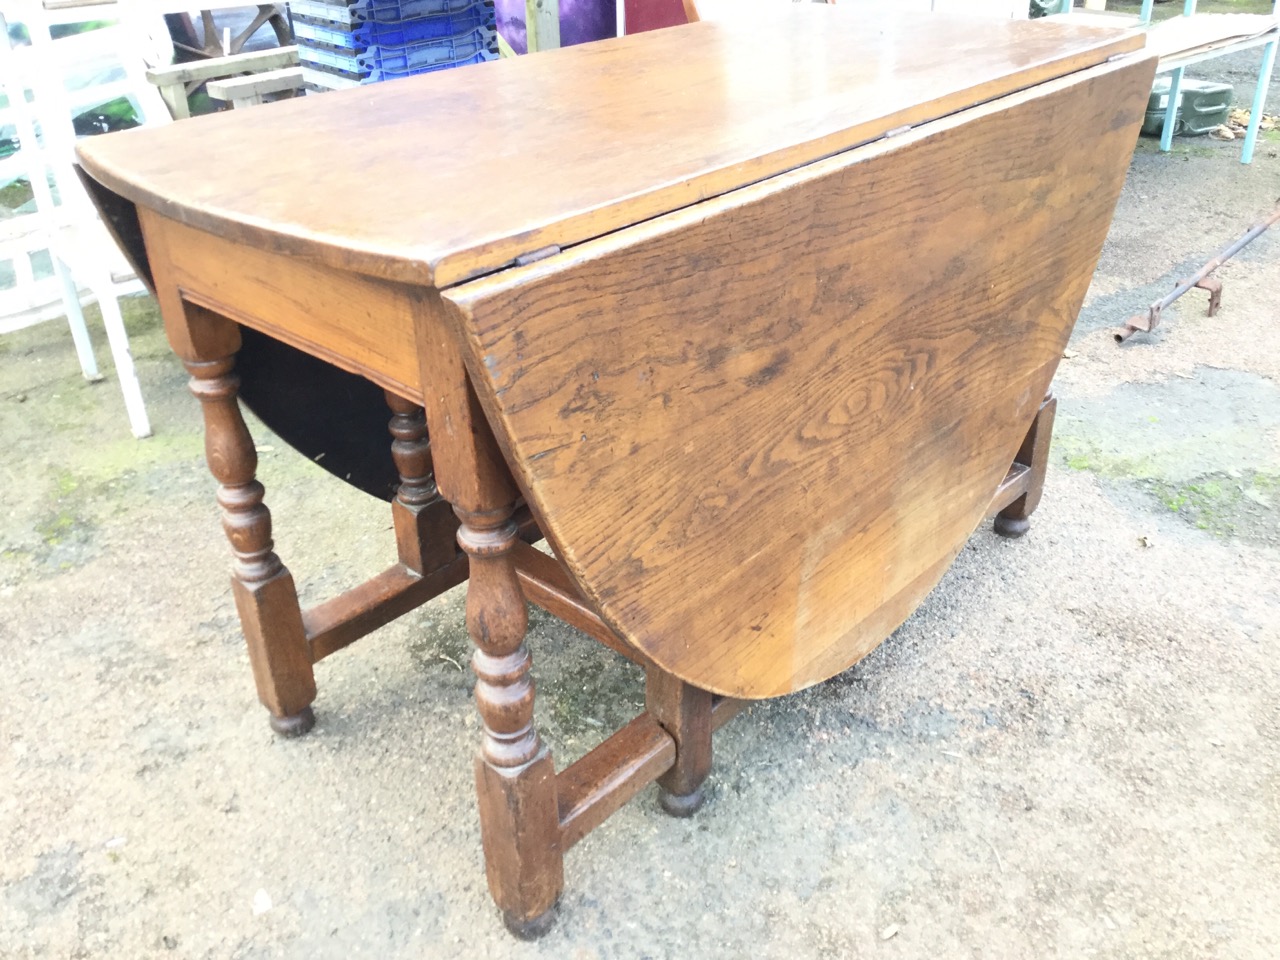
column 1201, row 279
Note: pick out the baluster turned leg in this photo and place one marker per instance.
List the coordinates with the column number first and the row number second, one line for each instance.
column 515, row 776
column 425, row 525
column 264, row 591
column 685, row 713
column 1014, row 520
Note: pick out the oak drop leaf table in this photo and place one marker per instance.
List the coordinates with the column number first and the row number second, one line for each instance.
column 754, row 322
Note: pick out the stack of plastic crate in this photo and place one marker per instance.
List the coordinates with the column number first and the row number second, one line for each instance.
column 344, row 43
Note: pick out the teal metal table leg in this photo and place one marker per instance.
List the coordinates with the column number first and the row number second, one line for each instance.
column 1171, row 111
column 1259, row 100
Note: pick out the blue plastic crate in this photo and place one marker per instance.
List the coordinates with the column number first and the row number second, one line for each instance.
column 376, row 11
column 481, row 57
column 320, row 78
column 362, row 35
column 340, row 62
column 381, row 63
column 419, row 57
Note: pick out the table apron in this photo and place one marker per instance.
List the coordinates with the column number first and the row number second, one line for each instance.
column 357, row 323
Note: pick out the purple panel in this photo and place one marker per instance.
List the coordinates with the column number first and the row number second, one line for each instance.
column 580, row 22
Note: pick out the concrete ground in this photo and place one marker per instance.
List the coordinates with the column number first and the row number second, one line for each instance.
column 1072, row 749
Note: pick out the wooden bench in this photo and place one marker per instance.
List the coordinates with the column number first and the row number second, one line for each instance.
column 252, row 89
column 172, row 80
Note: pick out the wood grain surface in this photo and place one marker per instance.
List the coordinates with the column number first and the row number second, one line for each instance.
column 759, row 430
column 438, row 178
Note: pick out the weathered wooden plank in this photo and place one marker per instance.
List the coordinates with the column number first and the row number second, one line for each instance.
column 251, row 89
column 227, row 66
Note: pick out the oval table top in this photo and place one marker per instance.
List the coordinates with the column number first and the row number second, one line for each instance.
column 437, row 178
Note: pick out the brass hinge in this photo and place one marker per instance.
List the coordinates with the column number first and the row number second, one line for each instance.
column 534, row 256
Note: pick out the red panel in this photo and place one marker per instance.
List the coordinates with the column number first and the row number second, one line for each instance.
column 645, row 15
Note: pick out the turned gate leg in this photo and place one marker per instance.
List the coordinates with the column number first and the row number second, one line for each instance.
column 266, row 598
column 685, row 713
column 424, row 522
column 515, row 776
column 1014, row 520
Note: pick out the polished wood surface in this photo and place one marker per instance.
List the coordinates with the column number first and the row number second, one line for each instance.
column 759, row 430
column 428, row 179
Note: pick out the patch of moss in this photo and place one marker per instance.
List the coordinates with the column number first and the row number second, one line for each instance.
column 1224, row 505
column 1078, row 462
column 123, row 457
column 1079, row 453
column 64, row 484
column 62, row 524
column 141, row 314
column 61, row 527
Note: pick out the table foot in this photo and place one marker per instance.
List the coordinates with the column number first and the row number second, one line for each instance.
column 1011, row 527
column 1014, row 520
column 685, row 713
column 681, row 806
column 532, row 929
column 295, row 725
